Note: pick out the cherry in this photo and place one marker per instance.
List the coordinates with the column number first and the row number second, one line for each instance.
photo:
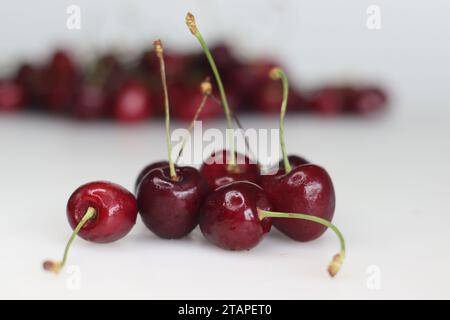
column 12, row 95
column 59, row 82
column 132, row 102
column 26, row 76
column 147, row 169
column 367, row 100
column 267, row 96
column 305, row 189
column 169, row 198
column 169, row 206
column 100, row 212
column 187, row 108
column 90, row 102
column 218, row 172
column 229, row 217
column 328, row 101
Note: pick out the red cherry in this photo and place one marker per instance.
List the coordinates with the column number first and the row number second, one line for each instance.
column 229, row 217
column 218, row 172
column 175, row 64
column 186, row 108
column 26, row 76
column 115, row 211
column 59, row 82
column 90, row 102
column 62, row 65
column 132, row 102
column 170, row 207
column 368, row 100
column 12, row 96
column 328, row 101
column 99, row 212
column 147, row 169
column 268, row 96
column 306, row 189
column 294, row 160
column 248, row 79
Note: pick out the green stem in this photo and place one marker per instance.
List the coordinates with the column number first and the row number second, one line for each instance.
column 276, row 74
column 223, row 96
column 162, row 67
column 57, row 266
column 197, row 114
column 338, row 259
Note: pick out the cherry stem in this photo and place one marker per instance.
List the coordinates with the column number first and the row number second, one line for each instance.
column 338, row 259
column 191, row 126
column 190, row 21
column 277, row 74
column 239, row 125
column 57, row 266
column 160, row 54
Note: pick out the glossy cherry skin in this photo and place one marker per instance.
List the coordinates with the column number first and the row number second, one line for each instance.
column 306, row 189
column 147, row 169
column 12, row 96
column 294, row 161
column 115, row 207
column 229, row 218
column 217, row 171
column 169, row 208
column 132, row 102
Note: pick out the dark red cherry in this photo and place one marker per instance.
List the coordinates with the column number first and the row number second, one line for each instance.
column 12, row 96
column 229, row 217
column 175, row 64
column 294, row 160
column 90, row 102
column 268, row 96
column 218, row 172
column 328, row 101
column 147, row 169
column 368, row 100
column 306, row 189
column 132, row 102
column 170, row 208
column 100, row 212
column 115, row 211
column 186, row 108
column 62, row 65
column 59, row 82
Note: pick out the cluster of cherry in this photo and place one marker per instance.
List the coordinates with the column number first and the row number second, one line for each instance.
column 232, row 202
column 130, row 92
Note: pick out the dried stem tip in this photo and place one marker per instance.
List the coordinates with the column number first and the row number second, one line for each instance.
column 52, row 266
column 157, row 45
column 206, row 87
column 190, row 22
column 335, row 265
column 275, row 73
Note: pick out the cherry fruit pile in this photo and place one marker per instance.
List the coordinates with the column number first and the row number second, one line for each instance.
column 232, row 202
column 109, row 88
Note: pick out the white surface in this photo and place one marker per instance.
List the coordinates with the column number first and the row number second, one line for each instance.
column 391, row 177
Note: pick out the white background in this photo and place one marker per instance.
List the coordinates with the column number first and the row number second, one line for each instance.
column 391, row 173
